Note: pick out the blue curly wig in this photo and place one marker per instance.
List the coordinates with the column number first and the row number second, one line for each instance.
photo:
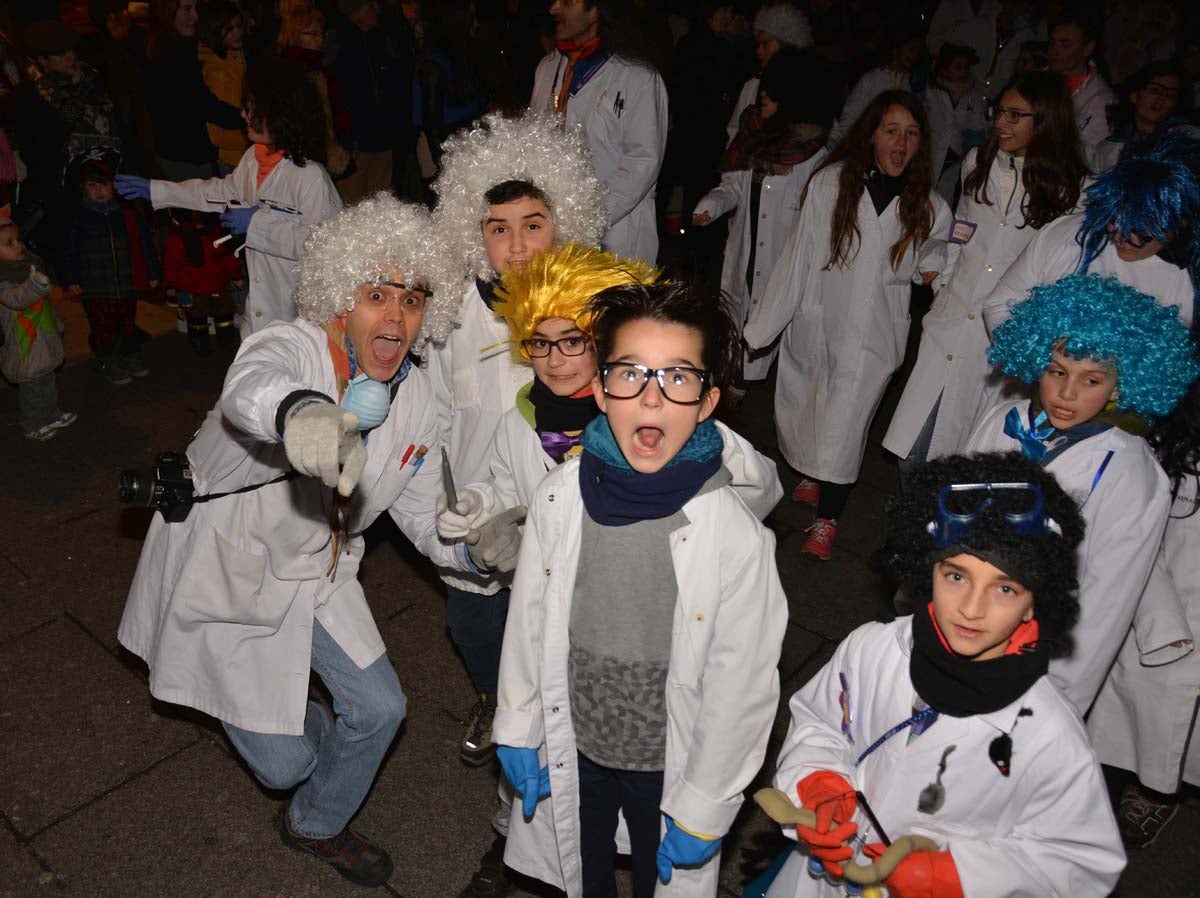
column 1151, row 194
column 1104, row 320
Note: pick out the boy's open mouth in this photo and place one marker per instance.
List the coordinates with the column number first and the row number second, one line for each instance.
column 647, row 440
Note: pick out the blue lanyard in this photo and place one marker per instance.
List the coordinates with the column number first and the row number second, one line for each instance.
column 1096, row 479
column 919, row 722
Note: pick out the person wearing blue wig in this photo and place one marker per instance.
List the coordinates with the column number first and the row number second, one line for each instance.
column 1103, row 356
column 1137, row 227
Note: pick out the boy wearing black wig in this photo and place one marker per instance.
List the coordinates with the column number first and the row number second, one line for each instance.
column 944, row 722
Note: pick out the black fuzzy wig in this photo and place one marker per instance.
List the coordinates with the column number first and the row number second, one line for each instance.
column 1045, row 565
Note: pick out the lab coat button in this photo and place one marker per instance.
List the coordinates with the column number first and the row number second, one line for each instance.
column 258, row 313
column 547, row 572
column 989, row 268
column 554, row 710
column 970, row 316
column 949, row 357
column 700, row 617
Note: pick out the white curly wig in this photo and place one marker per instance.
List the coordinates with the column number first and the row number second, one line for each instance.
column 534, row 148
column 786, row 24
column 362, row 244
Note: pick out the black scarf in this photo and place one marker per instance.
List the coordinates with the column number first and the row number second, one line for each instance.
column 562, row 414
column 884, row 188
column 960, row 687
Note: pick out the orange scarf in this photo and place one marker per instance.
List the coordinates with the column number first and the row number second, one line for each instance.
column 266, row 161
column 341, row 359
column 574, row 52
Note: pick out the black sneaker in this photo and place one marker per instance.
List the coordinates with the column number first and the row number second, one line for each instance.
column 490, row 880
column 114, row 372
column 477, row 746
column 359, row 860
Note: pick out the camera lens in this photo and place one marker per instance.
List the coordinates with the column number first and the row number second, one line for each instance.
column 136, row 487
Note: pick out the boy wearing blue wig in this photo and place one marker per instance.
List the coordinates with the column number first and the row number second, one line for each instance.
column 1136, row 227
column 1098, row 350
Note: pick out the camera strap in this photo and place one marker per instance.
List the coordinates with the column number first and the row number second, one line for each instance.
column 208, row 497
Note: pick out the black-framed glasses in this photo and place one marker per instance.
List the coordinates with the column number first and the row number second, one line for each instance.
column 678, row 384
column 539, row 348
column 961, row 504
column 1158, row 89
column 1008, row 114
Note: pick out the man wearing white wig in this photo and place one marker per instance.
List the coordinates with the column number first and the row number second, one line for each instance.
column 776, row 26
column 321, row 426
column 508, row 189
column 595, row 78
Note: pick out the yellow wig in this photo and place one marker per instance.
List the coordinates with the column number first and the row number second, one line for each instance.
column 560, row 284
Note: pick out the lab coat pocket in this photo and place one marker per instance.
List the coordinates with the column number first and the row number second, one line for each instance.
column 224, row 584
column 466, row 388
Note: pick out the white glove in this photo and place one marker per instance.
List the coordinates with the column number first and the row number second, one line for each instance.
column 322, row 440
column 455, row 523
column 495, row 545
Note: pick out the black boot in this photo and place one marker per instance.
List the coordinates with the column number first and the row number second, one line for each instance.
column 227, row 335
column 198, row 334
column 490, row 880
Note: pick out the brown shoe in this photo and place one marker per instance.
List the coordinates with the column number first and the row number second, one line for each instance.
column 491, row 879
column 359, row 860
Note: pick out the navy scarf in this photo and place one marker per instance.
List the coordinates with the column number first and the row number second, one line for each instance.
column 614, row 494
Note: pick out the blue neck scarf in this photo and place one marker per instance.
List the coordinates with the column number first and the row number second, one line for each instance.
column 614, row 494
column 1030, row 437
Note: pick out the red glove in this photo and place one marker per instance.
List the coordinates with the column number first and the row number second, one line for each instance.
column 923, row 874
column 832, row 799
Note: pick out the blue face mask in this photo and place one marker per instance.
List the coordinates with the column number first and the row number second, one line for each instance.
column 369, row 399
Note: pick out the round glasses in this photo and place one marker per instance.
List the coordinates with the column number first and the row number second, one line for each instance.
column 681, row 385
column 537, row 348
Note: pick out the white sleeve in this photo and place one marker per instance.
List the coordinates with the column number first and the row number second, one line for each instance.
column 859, row 99
column 722, row 198
column 282, row 234
column 1041, row 262
column 272, row 364
column 203, row 195
column 755, row 479
column 934, row 254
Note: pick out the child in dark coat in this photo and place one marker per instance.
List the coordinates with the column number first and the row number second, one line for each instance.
column 110, row 259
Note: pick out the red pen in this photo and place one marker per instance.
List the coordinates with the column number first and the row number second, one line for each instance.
column 407, row 453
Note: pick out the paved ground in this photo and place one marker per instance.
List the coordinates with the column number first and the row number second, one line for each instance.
column 104, row 792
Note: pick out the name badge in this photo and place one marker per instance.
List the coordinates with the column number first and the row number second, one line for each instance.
column 962, row 231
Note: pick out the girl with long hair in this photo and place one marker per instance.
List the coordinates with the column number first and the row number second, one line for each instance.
column 870, row 226
column 763, row 173
column 1028, row 173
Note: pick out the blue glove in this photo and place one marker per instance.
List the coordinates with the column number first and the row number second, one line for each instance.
column 520, row 765
column 236, row 219
column 133, row 187
column 682, row 849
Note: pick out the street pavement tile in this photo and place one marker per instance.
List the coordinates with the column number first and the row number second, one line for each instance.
column 88, row 725
column 1167, row 869
column 394, row 575
column 432, row 813
column 799, row 645
column 424, row 656
column 195, row 827
column 787, row 689
column 22, row 876
column 832, row 597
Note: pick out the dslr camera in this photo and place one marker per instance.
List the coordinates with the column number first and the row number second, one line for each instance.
column 166, row 487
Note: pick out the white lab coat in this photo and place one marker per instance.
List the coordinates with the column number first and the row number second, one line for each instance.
column 1091, row 102
column 952, row 361
column 778, row 213
column 847, row 328
column 275, row 240
column 948, row 126
column 222, row 604
column 519, row 464
column 955, row 21
column 623, row 110
column 1144, row 716
column 1054, row 254
column 722, row 683
column 475, row 380
column 1125, row 513
column 869, row 86
column 1044, row 831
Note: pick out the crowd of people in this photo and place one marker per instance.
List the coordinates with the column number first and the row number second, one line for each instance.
column 465, row 259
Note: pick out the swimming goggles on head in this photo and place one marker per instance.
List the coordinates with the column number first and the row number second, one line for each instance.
column 1025, row 514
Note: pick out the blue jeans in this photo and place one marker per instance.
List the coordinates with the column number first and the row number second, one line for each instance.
column 637, row 794
column 334, row 763
column 476, row 625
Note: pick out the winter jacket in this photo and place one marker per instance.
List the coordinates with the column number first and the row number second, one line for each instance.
column 224, row 76
column 45, row 349
column 217, row 267
column 109, row 252
column 181, row 105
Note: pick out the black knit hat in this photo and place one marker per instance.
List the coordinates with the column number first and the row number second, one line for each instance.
column 1044, row 563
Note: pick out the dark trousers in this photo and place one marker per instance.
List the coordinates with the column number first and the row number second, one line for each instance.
column 602, row 791
column 112, row 322
column 476, row 625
